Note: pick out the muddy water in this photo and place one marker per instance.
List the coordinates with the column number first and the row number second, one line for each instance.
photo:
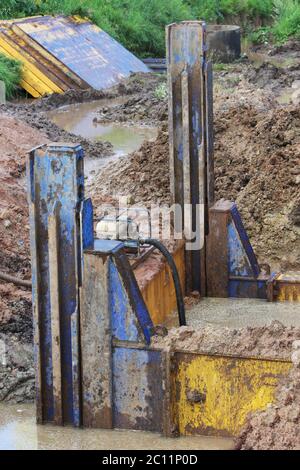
column 81, row 119
column 18, row 431
column 238, row 313
column 241, row 313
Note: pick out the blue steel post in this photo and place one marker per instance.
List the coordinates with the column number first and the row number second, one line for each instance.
column 191, row 140
column 56, row 191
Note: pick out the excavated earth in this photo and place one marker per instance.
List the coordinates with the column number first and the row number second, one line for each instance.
column 257, row 164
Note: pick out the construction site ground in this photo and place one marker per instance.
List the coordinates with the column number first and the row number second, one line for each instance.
column 257, row 164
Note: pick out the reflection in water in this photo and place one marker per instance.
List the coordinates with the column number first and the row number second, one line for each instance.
column 80, row 119
column 18, row 431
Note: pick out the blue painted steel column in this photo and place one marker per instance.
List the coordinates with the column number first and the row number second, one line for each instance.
column 56, row 192
column 191, row 140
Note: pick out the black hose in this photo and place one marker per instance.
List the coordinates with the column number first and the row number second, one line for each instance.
column 179, row 296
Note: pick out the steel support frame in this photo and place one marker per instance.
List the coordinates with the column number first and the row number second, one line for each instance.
column 191, row 139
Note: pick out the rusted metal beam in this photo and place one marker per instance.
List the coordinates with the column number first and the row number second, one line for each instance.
column 96, row 355
column 55, row 188
column 191, row 140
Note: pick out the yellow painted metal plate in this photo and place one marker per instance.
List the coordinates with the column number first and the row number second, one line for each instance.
column 229, row 387
column 288, row 286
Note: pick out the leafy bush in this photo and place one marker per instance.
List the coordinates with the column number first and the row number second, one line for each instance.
column 287, row 21
column 140, row 24
column 18, row 8
column 10, row 74
column 161, row 92
column 244, row 11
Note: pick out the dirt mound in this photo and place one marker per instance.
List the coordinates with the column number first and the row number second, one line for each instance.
column 277, row 427
column 257, row 164
column 147, row 101
column 16, row 139
column 144, row 175
column 273, row 341
column 35, row 117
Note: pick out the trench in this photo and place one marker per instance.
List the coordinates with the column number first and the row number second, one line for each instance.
column 84, row 120
column 19, row 431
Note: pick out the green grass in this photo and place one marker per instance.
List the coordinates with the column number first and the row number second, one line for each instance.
column 247, row 13
column 140, row 24
column 10, row 74
column 287, row 21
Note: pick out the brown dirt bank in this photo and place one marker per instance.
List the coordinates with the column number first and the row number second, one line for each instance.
column 16, row 139
column 257, row 164
column 277, row 427
column 274, row 341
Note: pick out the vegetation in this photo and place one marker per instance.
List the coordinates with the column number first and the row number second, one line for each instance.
column 161, row 92
column 287, row 19
column 140, row 24
column 10, row 74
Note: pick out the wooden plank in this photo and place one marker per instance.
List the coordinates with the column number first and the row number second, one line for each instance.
column 54, row 257
column 96, row 344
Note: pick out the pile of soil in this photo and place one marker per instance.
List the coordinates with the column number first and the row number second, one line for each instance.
column 34, row 114
column 143, row 176
column 273, row 341
column 277, row 427
column 16, row 356
column 16, row 139
column 257, row 164
column 147, row 101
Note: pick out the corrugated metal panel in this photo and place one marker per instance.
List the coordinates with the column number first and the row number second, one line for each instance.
column 84, row 48
column 60, row 53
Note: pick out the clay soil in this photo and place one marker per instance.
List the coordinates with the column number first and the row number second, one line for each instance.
column 257, row 164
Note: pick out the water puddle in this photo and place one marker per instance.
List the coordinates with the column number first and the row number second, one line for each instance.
column 18, row 431
column 81, row 119
column 238, row 313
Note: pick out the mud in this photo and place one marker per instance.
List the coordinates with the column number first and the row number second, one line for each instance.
column 273, row 341
column 277, row 427
column 257, row 164
column 19, row 431
column 16, row 139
